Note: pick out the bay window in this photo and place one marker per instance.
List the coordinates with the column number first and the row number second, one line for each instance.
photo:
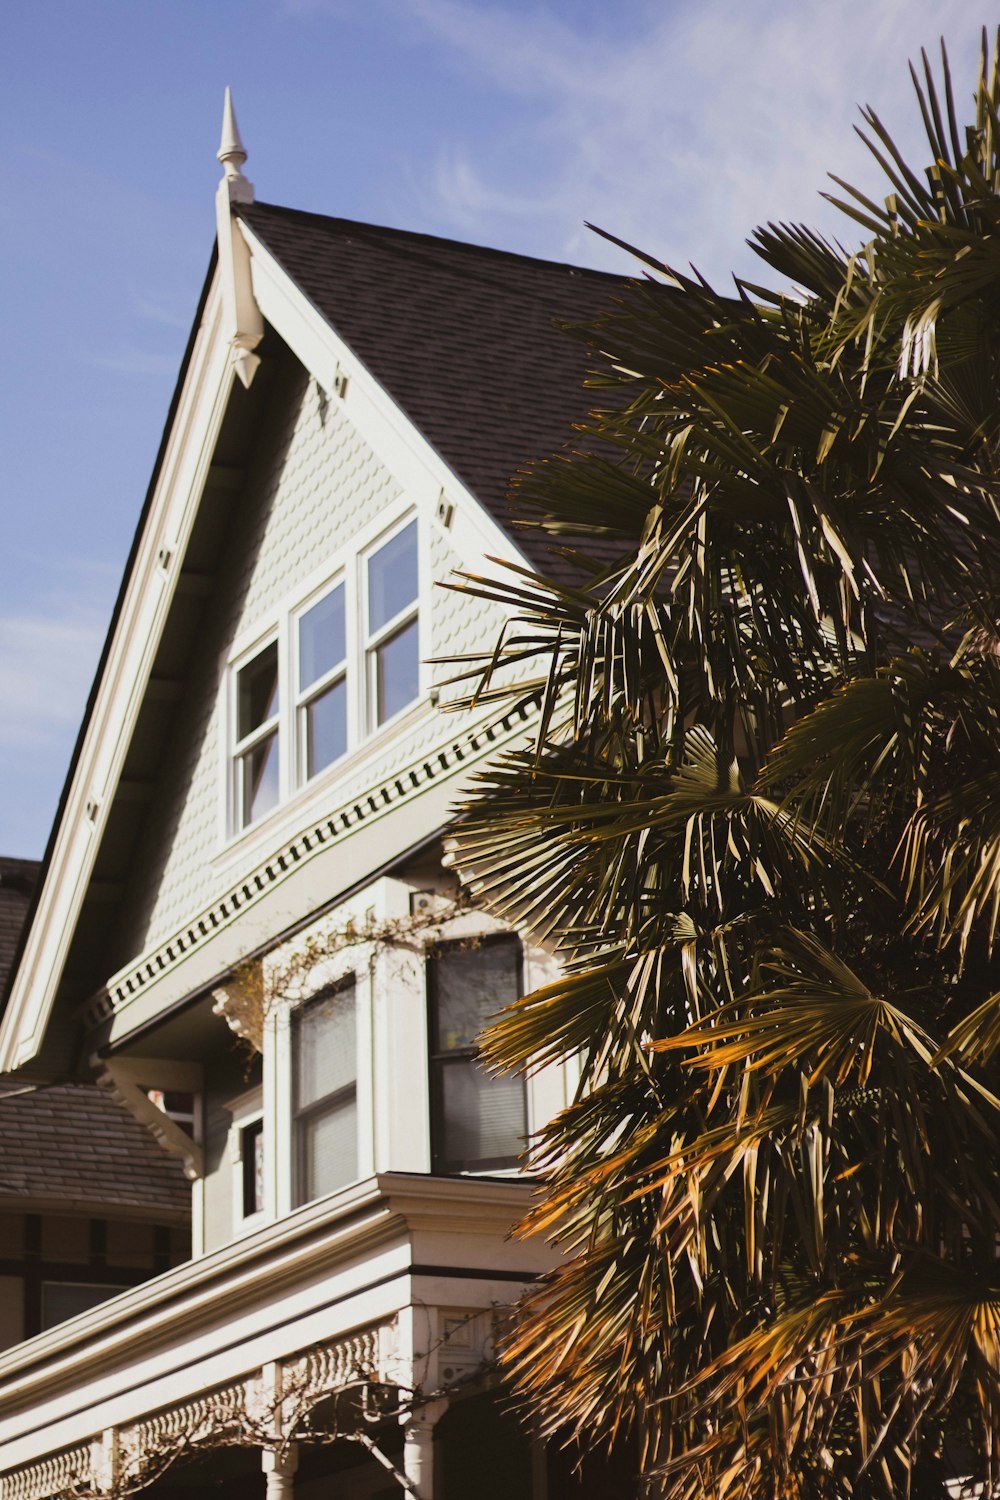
column 251, row 1184
column 325, row 1092
column 343, row 661
column 478, row 1120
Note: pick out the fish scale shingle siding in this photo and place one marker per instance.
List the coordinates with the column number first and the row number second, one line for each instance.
column 315, row 483
column 312, row 482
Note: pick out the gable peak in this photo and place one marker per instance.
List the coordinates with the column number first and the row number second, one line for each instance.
column 232, row 154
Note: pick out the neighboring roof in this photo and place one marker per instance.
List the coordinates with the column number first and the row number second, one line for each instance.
column 72, row 1143
column 17, row 884
column 466, row 340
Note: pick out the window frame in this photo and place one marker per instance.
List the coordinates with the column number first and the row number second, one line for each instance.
column 251, row 1137
column 329, row 1103
column 239, row 748
column 357, row 669
column 303, row 698
column 248, row 1113
column 438, row 1060
column 371, row 641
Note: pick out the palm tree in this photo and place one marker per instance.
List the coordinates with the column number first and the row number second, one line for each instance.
column 761, row 825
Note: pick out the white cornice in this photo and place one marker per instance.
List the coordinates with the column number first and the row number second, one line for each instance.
column 325, row 1238
column 365, row 805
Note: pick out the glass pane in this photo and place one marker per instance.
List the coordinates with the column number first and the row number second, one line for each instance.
column 392, row 577
column 325, row 1046
column 321, row 637
column 328, row 1149
column 482, row 1124
column 260, row 779
column 326, row 727
column 471, row 985
column 397, row 672
column 252, row 1156
column 257, row 691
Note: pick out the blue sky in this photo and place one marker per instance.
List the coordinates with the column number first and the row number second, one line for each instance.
column 678, row 125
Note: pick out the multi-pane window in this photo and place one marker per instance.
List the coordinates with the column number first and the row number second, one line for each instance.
column 252, row 1168
column 339, row 667
column 392, row 646
column 325, row 1093
column 257, row 764
column 321, row 639
column 478, row 1120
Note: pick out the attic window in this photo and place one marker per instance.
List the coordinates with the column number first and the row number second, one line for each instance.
column 257, row 764
column 393, row 651
column 341, row 662
column 322, row 682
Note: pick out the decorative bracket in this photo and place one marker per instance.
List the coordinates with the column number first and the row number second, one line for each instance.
column 127, row 1078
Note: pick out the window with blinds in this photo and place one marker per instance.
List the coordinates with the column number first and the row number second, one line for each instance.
column 325, row 1093
column 478, row 1121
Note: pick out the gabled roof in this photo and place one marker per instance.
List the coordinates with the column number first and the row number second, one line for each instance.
column 468, row 341
column 73, row 1143
column 456, row 363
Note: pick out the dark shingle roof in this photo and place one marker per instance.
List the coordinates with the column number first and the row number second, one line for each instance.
column 72, row 1143
column 464, row 339
column 17, row 882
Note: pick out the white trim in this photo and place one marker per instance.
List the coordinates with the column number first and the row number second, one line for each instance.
column 188, row 452
column 236, row 748
column 127, row 1078
column 247, row 1109
column 256, row 880
column 302, row 698
column 348, row 568
column 387, row 429
column 182, row 477
column 371, row 641
column 262, row 1290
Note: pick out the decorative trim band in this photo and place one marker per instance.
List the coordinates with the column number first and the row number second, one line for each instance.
column 67, row 1473
column 252, row 1412
column 247, row 892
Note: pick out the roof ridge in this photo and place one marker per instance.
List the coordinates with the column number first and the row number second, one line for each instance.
column 248, row 210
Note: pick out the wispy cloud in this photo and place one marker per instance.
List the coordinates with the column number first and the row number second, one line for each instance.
column 160, row 313
column 686, row 126
column 46, row 667
column 132, row 362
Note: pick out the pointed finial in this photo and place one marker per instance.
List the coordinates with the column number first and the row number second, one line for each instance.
column 232, row 155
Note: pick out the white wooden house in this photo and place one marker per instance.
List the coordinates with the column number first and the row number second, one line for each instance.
column 243, row 929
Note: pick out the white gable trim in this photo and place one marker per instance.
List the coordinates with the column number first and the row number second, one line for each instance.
column 149, row 591
column 392, row 436
column 145, row 604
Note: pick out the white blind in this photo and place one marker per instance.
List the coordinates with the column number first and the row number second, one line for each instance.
column 325, row 1091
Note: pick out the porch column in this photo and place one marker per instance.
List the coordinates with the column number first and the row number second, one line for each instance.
column 418, row 1448
column 280, row 1471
